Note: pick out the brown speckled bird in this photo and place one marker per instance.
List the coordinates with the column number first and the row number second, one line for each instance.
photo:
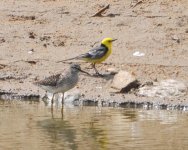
column 62, row 82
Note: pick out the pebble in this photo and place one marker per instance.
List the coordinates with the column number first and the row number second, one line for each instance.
column 122, row 79
column 112, row 70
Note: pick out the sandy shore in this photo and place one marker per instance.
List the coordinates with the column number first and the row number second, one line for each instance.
column 36, row 34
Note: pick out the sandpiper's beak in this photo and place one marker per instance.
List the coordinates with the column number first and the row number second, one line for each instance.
column 114, row 40
column 83, row 71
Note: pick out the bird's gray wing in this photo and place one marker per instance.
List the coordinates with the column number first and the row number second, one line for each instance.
column 95, row 53
column 50, row 81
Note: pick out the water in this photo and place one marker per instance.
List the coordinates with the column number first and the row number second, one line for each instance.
column 32, row 126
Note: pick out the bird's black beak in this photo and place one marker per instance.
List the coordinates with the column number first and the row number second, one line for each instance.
column 114, row 40
column 83, row 71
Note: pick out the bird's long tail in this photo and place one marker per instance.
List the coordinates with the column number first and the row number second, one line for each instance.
column 68, row 59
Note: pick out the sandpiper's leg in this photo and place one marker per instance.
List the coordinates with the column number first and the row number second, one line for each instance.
column 52, row 101
column 97, row 72
column 62, row 106
column 62, row 112
column 52, row 110
column 62, row 99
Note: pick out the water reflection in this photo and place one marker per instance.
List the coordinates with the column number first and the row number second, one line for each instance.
column 31, row 125
column 60, row 132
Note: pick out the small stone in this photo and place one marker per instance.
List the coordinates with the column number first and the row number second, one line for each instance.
column 112, row 94
column 31, row 51
column 122, row 79
column 58, row 43
column 98, row 87
column 32, row 35
column 112, row 70
column 45, row 45
column 71, row 96
column 2, row 40
column 159, row 24
column 138, row 54
column 176, row 38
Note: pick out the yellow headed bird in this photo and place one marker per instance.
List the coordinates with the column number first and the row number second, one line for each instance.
column 97, row 54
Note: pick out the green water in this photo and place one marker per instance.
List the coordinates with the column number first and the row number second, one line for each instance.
column 32, row 126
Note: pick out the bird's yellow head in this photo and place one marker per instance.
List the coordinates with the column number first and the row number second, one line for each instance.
column 107, row 41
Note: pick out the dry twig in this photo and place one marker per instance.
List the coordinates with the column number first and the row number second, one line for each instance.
column 135, row 3
column 99, row 13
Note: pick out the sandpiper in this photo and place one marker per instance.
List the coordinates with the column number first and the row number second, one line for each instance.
column 62, row 82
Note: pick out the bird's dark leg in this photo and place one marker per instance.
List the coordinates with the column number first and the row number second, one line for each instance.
column 62, row 102
column 46, row 94
column 52, row 102
column 52, row 111
column 62, row 106
column 97, row 73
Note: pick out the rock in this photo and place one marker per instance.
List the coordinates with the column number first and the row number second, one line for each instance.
column 58, row 43
column 32, row 35
column 138, row 54
column 112, row 71
column 72, row 96
column 69, row 98
column 31, row 51
column 164, row 89
column 123, row 81
column 176, row 38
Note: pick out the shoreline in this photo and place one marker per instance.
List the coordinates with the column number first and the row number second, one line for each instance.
column 34, row 36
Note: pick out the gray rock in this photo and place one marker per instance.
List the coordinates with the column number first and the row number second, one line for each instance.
column 164, row 89
column 72, row 96
column 122, row 80
column 112, row 70
column 69, row 96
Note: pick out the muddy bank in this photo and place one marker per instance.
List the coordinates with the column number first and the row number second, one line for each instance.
column 99, row 91
column 35, row 35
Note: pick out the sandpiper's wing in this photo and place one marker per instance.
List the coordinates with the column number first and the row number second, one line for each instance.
column 95, row 53
column 50, row 81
